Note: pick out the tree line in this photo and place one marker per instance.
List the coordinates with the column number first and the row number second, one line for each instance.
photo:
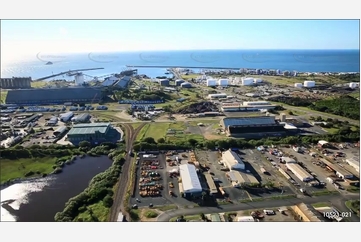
column 149, row 144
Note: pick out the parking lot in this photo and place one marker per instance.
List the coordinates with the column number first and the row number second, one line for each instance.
column 150, row 181
column 44, row 137
column 255, row 160
column 153, row 176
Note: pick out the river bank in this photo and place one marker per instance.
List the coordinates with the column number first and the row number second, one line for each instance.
column 39, row 199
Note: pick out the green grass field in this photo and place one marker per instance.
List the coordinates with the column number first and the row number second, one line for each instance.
column 12, row 169
column 159, row 130
column 3, row 95
column 320, row 205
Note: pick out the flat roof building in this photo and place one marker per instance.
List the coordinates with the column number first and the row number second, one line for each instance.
column 95, row 133
column 48, row 96
column 212, row 186
column 299, row 172
column 232, row 161
column 240, row 178
column 306, row 213
column 190, row 180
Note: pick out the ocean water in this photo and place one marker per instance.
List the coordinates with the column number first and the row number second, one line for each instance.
column 115, row 62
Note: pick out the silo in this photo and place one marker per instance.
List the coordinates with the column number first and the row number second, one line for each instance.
column 179, row 82
column 79, row 79
column 164, row 82
column 223, row 82
column 211, row 82
column 309, row 83
column 283, row 117
column 298, row 85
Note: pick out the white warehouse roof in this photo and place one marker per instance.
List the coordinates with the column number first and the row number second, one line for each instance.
column 190, row 180
column 232, row 160
column 299, row 172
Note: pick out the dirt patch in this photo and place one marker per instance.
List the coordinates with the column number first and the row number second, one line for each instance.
column 200, row 107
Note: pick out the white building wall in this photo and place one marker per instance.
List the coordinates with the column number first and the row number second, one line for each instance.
column 233, row 161
column 309, row 83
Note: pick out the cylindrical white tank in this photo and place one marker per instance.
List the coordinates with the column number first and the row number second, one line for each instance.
column 257, row 80
column 223, row 82
column 309, row 83
column 79, row 79
column 247, row 81
column 211, row 82
column 283, row 117
column 352, row 85
column 298, row 85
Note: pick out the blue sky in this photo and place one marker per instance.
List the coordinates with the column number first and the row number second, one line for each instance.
column 25, row 36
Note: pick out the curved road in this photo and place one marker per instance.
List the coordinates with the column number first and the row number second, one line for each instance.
column 336, row 200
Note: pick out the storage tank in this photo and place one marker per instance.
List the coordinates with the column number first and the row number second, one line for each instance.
column 179, row 82
column 79, row 79
column 164, row 82
column 211, row 82
column 247, row 81
column 298, row 85
column 223, row 82
column 353, row 85
column 257, row 80
column 283, row 117
column 309, row 84
column 186, row 85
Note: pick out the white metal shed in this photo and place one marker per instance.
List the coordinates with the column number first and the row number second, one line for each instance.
column 190, row 180
column 232, row 160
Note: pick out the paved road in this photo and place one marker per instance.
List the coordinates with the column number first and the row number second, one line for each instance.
column 336, row 200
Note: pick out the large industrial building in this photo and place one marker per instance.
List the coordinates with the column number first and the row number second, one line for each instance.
column 191, row 186
column 15, row 83
column 299, row 172
column 233, row 161
column 95, row 133
column 53, row 96
column 253, row 127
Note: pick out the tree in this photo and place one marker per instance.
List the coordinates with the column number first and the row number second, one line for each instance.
column 161, row 140
column 108, row 201
column 85, row 144
column 192, row 142
column 149, row 140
